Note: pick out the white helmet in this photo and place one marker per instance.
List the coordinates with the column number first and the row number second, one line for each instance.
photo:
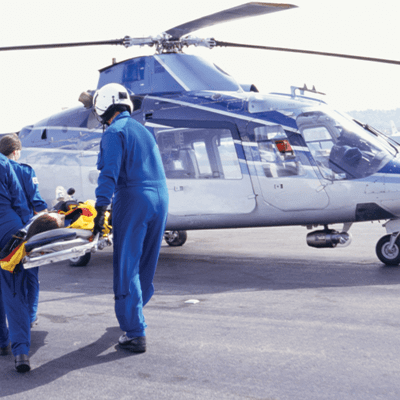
column 109, row 96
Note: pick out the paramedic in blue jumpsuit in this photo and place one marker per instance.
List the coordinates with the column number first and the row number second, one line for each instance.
column 131, row 169
column 11, row 146
column 14, row 214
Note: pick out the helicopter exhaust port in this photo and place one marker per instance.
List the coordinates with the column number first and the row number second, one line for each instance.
column 328, row 238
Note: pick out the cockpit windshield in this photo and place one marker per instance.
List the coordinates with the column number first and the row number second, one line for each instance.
column 341, row 148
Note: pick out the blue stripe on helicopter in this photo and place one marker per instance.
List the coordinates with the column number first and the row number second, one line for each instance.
column 218, row 106
column 392, row 167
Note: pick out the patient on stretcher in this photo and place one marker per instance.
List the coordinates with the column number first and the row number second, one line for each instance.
column 47, row 234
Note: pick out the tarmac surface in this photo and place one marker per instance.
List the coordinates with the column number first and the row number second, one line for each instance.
column 275, row 319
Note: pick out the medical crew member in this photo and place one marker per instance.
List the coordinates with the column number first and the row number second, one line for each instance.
column 14, row 214
column 11, row 146
column 131, row 169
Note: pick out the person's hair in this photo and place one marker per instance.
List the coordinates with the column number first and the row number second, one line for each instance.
column 112, row 110
column 9, row 143
column 41, row 224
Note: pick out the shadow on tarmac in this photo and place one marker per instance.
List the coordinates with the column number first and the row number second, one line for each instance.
column 211, row 274
column 182, row 274
column 84, row 357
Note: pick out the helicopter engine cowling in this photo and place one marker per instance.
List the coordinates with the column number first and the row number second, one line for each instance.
column 328, row 238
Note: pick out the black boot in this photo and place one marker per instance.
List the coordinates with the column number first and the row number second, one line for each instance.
column 5, row 351
column 135, row 344
column 22, row 363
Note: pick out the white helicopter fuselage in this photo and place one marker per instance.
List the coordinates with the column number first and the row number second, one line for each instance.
column 235, row 160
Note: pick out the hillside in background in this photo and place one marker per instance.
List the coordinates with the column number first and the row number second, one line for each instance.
column 379, row 119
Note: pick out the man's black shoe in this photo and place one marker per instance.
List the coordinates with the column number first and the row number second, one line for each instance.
column 5, row 351
column 22, row 363
column 135, row 344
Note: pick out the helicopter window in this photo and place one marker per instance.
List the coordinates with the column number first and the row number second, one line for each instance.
column 341, row 148
column 229, row 160
column 134, row 71
column 202, row 159
column 277, row 156
column 320, row 143
column 198, row 153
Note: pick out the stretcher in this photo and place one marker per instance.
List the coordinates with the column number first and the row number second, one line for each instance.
column 40, row 242
column 62, row 244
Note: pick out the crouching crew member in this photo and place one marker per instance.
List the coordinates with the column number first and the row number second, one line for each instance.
column 130, row 169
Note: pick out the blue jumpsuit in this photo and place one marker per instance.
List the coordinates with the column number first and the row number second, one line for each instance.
column 14, row 214
column 130, row 166
column 29, row 182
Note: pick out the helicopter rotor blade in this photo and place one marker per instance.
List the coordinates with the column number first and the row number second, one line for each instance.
column 126, row 41
column 60, row 45
column 243, row 11
column 318, row 53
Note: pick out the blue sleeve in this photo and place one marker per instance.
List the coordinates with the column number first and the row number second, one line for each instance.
column 32, row 189
column 18, row 199
column 109, row 164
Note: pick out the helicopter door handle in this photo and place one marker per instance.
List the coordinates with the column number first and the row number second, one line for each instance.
column 175, row 188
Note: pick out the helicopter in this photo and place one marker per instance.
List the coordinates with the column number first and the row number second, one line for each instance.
column 233, row 157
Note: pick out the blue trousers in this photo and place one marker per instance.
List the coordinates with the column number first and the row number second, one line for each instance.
column 139, row 218
column 14, row 299
column 33, row 301
column 14, row 288
column 33, row 292
column 4, row 336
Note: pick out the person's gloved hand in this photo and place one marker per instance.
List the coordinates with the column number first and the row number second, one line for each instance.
column 99, row 220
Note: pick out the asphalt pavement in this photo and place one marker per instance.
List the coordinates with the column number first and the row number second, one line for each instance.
column 237, row 314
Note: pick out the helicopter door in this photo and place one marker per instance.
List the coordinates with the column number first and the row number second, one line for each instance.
column 204, row 173
column 287, row 180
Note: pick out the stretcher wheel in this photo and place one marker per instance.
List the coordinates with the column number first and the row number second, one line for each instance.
column 175, row 238
column 81, row 261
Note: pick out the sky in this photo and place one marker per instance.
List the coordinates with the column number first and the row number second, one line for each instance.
column 38, row 83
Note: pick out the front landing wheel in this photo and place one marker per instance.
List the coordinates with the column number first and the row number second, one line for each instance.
column 389, row 256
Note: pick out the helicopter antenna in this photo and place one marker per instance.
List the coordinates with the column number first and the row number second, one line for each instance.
column 303, row 89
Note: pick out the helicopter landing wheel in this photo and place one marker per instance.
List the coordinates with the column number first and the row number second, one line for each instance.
column 389, row 256
column 175, row 238
column 81, row 261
